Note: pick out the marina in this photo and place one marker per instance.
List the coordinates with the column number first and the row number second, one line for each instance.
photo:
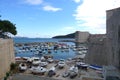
column 57, row 60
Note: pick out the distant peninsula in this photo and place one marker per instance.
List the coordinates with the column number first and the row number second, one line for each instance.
column 72, row 35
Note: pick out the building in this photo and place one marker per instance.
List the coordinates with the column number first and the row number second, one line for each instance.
column 6, row 56
column 81, row 37
column 113, row 35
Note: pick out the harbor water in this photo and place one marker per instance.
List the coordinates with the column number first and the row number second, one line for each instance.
column 56, row 55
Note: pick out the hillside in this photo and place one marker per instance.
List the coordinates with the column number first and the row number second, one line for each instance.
column 72, row 35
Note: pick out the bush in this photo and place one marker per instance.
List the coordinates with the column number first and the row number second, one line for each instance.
column 5, row 78
column 7, row 74
column 12, row 66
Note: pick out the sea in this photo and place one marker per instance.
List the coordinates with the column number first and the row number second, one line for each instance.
column 58, row 55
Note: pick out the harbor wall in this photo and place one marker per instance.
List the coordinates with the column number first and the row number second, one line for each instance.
column 6, row 56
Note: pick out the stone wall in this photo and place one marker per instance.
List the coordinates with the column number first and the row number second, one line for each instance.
column 113, row 35
column 97, row 54
column 106, row 51
column 81, row 37
column 6, row 56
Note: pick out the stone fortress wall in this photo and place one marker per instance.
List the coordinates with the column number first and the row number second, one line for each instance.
column 6, row 56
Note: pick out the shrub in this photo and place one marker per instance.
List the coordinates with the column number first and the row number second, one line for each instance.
column 12, row 66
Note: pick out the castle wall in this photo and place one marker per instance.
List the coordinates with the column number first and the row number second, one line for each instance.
column 81, row 37
column 6, row 56
column 113, row 35
column 97, row 53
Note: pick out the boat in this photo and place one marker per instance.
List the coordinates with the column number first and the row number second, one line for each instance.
column 36, row 61
column 22, row 67
column 38, row 69
column 61, row 63
column 50, row 60
column 82, row 56
column 84, row 51
column 51, row 71
column 73, row 71
column 73, row 74
column 82, row 65
column 79, row 52
column 42, row 58
column 43, row 63
column 96, row 67
column 65, row 74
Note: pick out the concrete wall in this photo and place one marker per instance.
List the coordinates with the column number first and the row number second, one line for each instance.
column 81, row 37
column 6, row 56
column 113, row 35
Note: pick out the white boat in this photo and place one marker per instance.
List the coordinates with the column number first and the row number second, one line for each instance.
column 17, row 58
column 29, row 60
column 73, row 71
column 82, row 65
column 61, row 63
column 51, row 71
column 50, row 60
column 65, row 74
column 79, row 52
column 36, row 61
column 43, row 63
column 82, row 56
column 52, row 68
column 84, row 51
column 73, row 74
column 42, row 58
column 74, row 49
column 22, row 66
column 38, row 69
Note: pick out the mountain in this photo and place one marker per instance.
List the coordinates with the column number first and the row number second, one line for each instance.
column 72, row 35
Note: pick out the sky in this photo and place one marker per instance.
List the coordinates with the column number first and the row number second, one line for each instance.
column 48, row 18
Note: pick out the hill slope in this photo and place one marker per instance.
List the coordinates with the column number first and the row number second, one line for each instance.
column 72, row 35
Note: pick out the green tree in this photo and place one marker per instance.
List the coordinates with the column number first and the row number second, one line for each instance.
column 7, row 27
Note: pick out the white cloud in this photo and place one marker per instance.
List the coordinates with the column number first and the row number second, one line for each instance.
column 34, row 2
column 51, row 8
column 77, row 1
column 93, row 13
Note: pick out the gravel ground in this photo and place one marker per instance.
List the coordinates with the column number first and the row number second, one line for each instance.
column 30, row 77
